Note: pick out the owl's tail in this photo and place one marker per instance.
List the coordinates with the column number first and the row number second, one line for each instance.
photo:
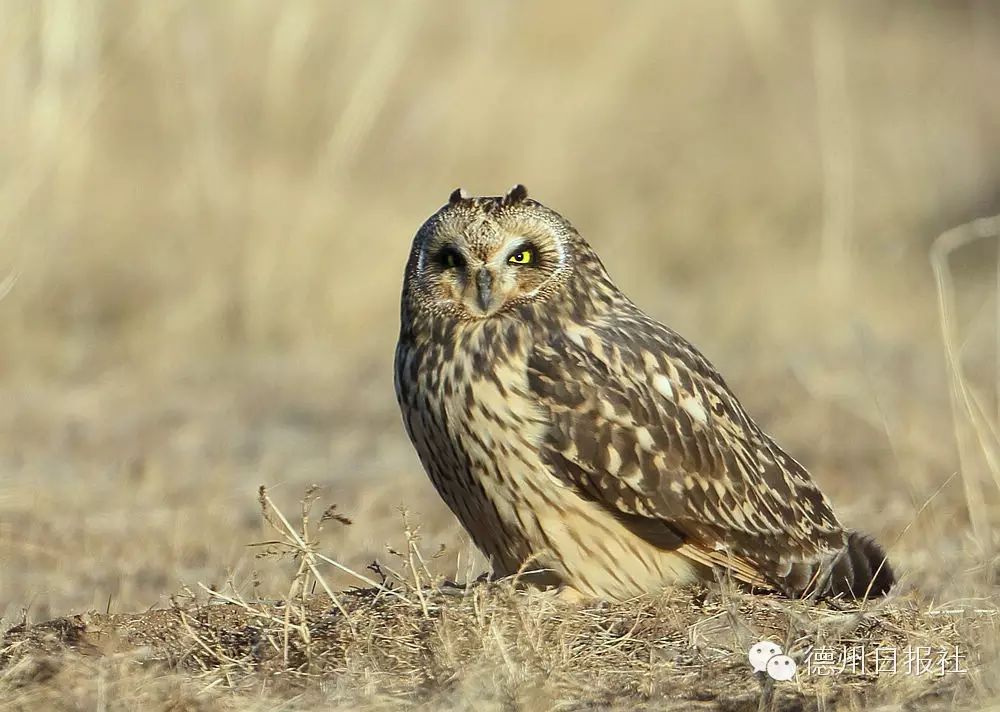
column 860, row 570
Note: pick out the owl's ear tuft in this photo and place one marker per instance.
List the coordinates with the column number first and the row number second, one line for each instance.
column 457, row 196
column 515, row 195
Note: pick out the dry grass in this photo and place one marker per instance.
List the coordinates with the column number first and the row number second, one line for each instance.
column 413, row 639
column 204, row 212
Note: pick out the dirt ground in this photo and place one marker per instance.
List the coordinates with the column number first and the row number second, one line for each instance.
column 204, row 214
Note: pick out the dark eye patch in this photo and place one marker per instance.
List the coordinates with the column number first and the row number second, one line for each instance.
column 450, row 258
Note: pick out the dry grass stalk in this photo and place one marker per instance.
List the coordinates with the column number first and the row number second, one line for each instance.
column 978, row 438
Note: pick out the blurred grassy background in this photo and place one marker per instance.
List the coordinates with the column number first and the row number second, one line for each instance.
column 205, row 209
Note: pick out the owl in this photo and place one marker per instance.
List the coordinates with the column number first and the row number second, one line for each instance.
column 581, row 443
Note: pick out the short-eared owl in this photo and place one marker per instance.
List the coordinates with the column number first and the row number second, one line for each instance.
column 578, row 438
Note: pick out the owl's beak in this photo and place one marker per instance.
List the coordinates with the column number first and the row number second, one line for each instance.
column 484, row 289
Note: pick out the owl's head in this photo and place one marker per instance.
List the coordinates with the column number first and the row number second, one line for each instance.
column 479, row 257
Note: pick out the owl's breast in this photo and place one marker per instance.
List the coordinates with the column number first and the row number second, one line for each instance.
column 476, row 429
column 482, row 399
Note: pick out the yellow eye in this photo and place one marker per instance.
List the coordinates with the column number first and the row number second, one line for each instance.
column 450, row 261
column 522, row 257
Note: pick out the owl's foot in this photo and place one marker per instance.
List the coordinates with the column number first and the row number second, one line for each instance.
column 571, row 596
column 453, row 588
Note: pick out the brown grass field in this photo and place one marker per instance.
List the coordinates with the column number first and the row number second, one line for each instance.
column 204, row 213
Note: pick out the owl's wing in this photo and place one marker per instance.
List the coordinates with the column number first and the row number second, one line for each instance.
column 640, row 422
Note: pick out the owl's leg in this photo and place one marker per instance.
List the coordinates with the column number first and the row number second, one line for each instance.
column 571, row 596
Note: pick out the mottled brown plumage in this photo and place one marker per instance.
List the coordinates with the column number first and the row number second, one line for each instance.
column 582, row 443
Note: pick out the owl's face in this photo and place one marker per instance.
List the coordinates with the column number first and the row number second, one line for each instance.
column 480, row 257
